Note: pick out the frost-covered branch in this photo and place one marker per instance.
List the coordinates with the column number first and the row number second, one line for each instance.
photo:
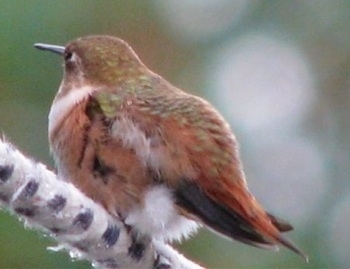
column 84, row 228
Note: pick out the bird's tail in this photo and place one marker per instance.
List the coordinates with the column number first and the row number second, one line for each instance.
column 249, row 224
column 258, row 221
column 284, row 226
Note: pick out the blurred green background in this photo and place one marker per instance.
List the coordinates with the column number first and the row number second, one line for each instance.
column 277, row 70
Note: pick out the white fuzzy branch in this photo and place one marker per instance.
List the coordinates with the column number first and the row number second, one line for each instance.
column 84, row 228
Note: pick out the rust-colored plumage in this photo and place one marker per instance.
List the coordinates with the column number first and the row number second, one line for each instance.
column 117, row 130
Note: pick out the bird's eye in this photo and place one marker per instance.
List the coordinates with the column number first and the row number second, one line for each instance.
column 68, row 56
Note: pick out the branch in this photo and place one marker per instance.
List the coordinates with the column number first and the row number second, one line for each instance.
column 80, row 226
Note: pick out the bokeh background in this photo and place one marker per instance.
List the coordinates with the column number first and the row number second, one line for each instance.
column 277, row 70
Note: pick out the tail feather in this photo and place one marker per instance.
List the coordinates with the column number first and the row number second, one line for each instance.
column 280, row 224
column 284, row 226
column 191, row 199
column 292, row 247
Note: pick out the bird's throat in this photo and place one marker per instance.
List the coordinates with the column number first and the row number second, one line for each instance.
column 63, row 105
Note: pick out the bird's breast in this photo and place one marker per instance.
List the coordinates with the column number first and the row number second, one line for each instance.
column 68, row 139
column 100, row 165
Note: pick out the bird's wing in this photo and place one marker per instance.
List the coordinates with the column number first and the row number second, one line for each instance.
column 187, row 145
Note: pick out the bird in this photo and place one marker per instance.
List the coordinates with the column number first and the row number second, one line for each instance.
column 164, row 161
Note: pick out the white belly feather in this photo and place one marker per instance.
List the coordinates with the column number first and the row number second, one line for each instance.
column 159, row 217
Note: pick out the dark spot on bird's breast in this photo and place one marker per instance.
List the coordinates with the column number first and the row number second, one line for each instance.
column 92, row 108
column 156, row 175
column 101, row 170
column 84, row 143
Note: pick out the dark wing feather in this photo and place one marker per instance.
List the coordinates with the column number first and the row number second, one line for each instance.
column 226, row 222
column 217, row 217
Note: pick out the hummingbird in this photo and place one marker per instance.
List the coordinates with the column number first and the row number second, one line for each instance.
column 162, row 160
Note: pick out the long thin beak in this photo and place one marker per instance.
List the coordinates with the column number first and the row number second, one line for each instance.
column 53, row 48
